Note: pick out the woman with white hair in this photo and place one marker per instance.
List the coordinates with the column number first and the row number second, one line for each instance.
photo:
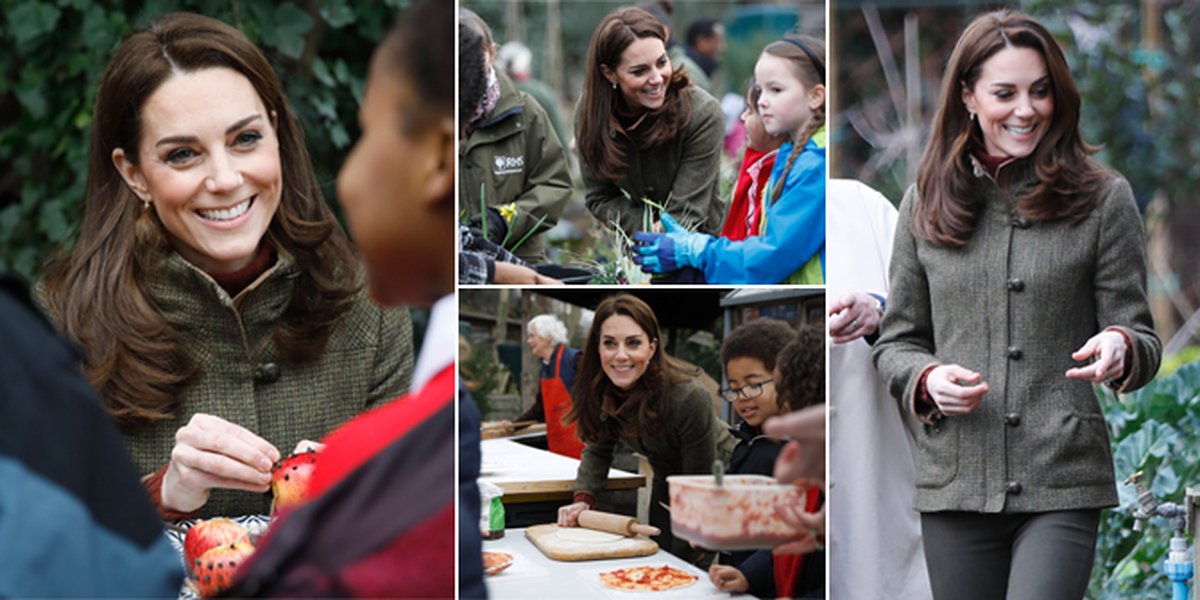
column 548, row 341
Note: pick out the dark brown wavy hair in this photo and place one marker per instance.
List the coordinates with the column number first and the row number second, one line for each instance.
column 1069, row 181
column 800, row 370
column 651, row 394
column 98, row 293
column 603, row 154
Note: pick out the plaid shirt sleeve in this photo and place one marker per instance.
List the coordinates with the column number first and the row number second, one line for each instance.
column 477, row 257
column 472, row 239
column 475, row 268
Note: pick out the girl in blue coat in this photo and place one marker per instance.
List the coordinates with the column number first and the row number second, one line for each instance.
column 790, row 246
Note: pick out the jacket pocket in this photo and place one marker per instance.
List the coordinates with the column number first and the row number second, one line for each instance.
column 1068, row 444
column 938, row 461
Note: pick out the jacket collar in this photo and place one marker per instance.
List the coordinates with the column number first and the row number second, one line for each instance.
column 646, row 121
column 1015, row 174
column 441, row 340
column 617, row 404
column 178, row 287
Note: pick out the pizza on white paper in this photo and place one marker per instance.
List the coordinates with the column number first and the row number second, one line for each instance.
column 648, row 579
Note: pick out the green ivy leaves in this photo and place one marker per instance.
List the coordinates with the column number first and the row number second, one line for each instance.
column 289, row 26
column 29, row 20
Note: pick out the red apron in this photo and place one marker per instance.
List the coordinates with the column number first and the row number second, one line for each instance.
column 556, row 402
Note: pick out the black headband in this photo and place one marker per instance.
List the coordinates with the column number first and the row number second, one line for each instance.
column 812, row 56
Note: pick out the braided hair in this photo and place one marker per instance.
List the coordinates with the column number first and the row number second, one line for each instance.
column 807, row 57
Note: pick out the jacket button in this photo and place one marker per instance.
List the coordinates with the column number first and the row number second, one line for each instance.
column 267, row 373
column 1016, row 284
column 1020, row 222
column 1015, row 353
column 1012, row 487
column 1012, row 419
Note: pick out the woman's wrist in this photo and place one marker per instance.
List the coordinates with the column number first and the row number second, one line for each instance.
column 924, row 407
column 585, row 497
column 153, row 483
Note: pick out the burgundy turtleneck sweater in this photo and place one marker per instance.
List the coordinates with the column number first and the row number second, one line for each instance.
column 235, row 282
column 992, row 164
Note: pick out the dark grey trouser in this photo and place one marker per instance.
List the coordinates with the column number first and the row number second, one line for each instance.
column 1026, row 556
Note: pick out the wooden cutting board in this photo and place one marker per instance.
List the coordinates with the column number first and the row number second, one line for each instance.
column 565, row 548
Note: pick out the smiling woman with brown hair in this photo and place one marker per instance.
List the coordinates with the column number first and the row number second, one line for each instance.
column 644, row 132
column 1018, row 280
column 216, row 298
column 628, row 390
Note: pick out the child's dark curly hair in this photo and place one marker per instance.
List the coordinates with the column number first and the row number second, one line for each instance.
column 800, row 370
column 760, row 338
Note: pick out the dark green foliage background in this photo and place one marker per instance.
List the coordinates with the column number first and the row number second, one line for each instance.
column 53, row 53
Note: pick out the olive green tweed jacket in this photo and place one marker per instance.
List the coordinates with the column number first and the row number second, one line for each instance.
column 682, row 175
column 1012, row 305
column 368, row 361
column 687, row 443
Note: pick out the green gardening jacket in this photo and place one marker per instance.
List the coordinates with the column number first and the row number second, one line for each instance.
column 683, row 175
column 686, row 443
column 514, row 155
column 368, row 361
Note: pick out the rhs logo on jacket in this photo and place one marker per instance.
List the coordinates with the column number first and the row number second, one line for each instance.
column 509, row 165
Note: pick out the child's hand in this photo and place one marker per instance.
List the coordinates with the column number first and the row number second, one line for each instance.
column 514, row 274
column 669, row 251
column 812, row 524
column 728, row 579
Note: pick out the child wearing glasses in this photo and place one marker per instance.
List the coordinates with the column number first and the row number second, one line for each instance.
column 748, row 355
column 758, row 390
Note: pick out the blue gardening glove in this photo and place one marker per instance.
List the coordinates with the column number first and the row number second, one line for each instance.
column 497, row 227
column 670, row 251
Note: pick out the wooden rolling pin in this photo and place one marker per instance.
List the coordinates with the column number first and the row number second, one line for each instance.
column 619, row 524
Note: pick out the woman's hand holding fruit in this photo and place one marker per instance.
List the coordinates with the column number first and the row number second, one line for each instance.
column 209, row 453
